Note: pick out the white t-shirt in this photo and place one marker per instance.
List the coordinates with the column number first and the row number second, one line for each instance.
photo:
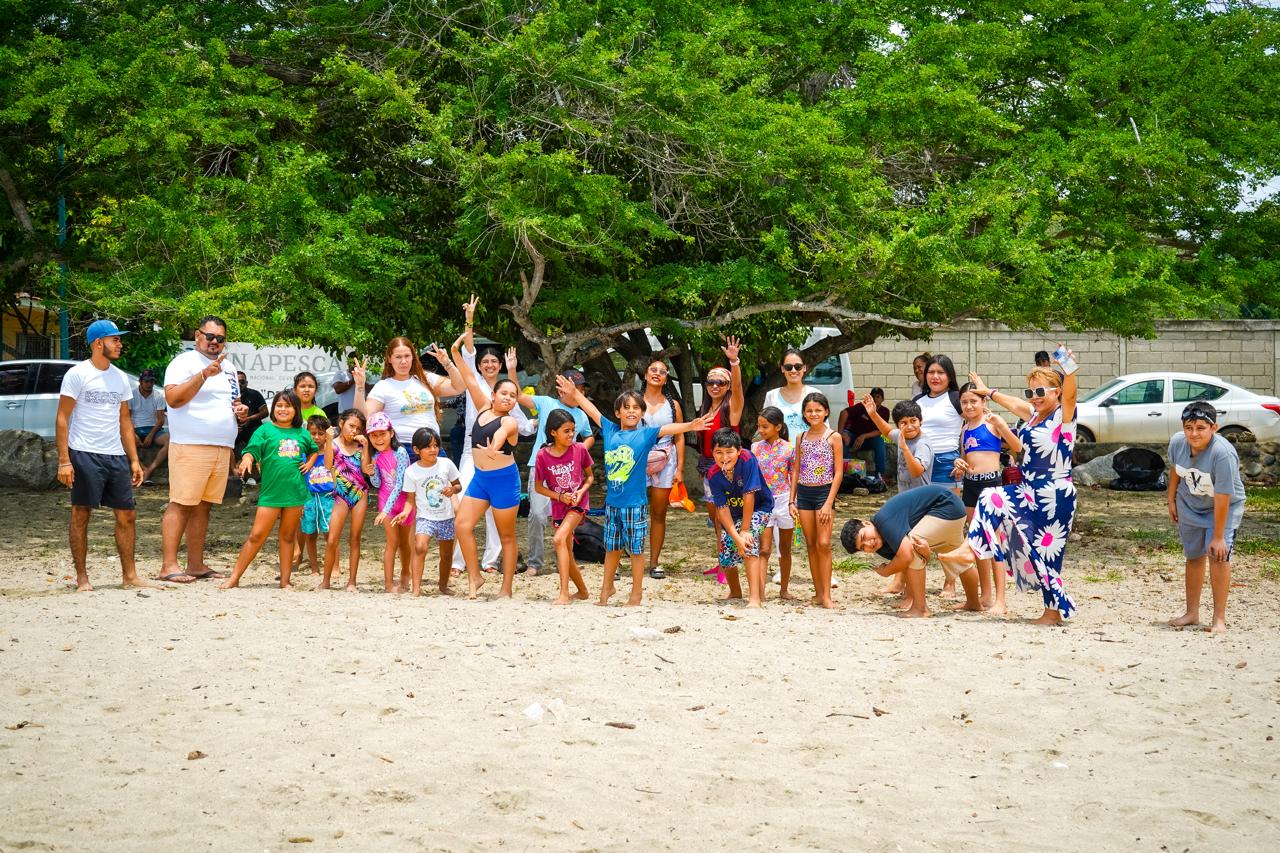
column 941, row 425
column 95, row 421
column 143, row 409
column 792, row 413
column 410, row 405
column 347, row 398
column 429, row 485
column 207, row 418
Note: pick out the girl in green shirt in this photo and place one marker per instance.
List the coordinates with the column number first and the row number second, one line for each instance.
column 305, row 385
column 284, row 452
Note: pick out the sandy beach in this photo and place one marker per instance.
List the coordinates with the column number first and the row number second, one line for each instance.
column 259, row 719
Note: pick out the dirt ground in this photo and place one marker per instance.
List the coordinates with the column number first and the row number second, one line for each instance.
column 259, row 719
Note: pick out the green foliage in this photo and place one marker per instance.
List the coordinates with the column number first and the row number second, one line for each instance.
column 149, row 348
column 340, row 172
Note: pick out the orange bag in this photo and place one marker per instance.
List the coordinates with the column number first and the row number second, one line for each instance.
column 680, row 497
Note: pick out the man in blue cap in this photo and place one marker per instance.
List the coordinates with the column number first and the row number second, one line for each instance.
column 97, row 450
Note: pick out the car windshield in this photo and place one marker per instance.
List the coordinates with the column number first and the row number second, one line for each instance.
column 1102, row 392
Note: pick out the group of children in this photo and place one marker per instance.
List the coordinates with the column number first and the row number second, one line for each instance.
column 314, row 479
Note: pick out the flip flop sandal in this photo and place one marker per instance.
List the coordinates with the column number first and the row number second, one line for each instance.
column 657, row 573
column 175, row 577
column 212, row 574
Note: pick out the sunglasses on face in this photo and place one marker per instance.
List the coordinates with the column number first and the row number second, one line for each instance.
column 793, row 368
column 716, row 383
column 657, row 371
column 214, row 339
column 1031, row 393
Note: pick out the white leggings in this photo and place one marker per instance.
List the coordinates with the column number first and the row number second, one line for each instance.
column 492, row 544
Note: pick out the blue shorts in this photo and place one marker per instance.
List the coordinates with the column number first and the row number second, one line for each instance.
column 1195, row 540
column 625, row 528
column 439, row 529
column 501, row 488
column 943, row 463
column 316, row 512
column 143, row 432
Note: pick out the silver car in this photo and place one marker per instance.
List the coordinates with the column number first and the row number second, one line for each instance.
column 1147, row 407
column 29, row 391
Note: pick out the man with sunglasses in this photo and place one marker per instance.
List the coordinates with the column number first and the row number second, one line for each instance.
column 1206, row 501
column 205, row 409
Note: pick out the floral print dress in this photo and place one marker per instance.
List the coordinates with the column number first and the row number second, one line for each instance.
column 1025, row 525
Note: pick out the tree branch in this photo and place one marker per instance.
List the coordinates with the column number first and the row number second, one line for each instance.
column 16, row 202
column 283, row 73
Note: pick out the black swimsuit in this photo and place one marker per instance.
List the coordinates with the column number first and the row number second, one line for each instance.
column 481, row 435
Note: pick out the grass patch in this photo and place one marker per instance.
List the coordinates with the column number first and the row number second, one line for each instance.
column 1156, row 538
column 1265, row 547
column 1270, row 571
column 1264, row 498
column 1110, row 576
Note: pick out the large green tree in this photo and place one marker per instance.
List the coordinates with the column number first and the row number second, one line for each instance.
column 339, row 172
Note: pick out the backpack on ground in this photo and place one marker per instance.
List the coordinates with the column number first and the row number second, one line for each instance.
column 588, row 542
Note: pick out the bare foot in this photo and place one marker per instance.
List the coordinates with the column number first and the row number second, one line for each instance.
column 474, row 587
column 323, row 585
column 83, row 585
column 972, row 608
column 825, row 601
column 228, row 584
column 948, row 593
column 563, row 599
column 606, row 592
column 997, row 610
column 136, row 582
column 394, row 588
column 915, row 614
column 582, row 595
column 1217, row 628
column 446, row 590
column 634, row 599
column 504, row 594
column 1185, row 620
column 987, row 602
column 783, row 595
column 904, row 604
column 754, row 605
column 731, row 597
column 351, row 587
column 1050, row 618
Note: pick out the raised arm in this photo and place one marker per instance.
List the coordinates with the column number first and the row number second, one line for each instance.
column 1021, row 408
column 456, row 384
column 521, row 397
column 1007, row 435
column 700, row 424
column 579, row 400
column 869, row 403
column 1070, row 390
column 737, row 399
column 468, row 337
column 468, row 377
column 181, row 394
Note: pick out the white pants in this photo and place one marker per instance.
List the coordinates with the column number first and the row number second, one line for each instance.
column 492, row 544
column 539, row 518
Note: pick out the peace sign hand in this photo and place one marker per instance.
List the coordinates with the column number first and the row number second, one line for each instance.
column 469, row 308
column 359, row 371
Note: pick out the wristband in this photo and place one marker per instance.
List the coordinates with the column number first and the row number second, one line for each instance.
column 734, row 363
column 65, row 465
column 991, row 392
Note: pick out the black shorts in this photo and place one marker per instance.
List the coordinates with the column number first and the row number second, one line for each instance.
column 812, row 498
column 976, row 484
column 101, row 480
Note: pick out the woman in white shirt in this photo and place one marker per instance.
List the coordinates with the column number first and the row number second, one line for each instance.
column 942, row 423
column 406, row 393
column 789, row 399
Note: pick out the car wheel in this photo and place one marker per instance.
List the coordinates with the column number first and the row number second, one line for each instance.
column 1234, row 433
column 1084, row 436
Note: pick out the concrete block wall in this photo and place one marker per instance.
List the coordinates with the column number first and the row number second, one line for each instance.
column 1246, row 352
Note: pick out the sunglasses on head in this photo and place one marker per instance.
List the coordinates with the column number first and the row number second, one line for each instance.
column 1197, row 413
column 793, row 368
column 716, row 383
column 214, row 339
column 1030, row 393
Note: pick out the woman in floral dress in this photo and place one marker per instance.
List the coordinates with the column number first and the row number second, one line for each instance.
column 1025, row 525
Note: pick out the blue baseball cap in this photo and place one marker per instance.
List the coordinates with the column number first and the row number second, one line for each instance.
column 102, row 329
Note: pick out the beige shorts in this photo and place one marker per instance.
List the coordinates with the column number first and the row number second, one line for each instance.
column 198, row 472
column 942, row 536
